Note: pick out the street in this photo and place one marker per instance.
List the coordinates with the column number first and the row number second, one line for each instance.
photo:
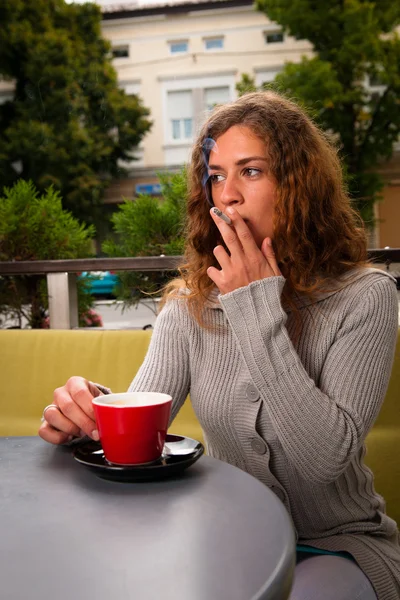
column 114, row 316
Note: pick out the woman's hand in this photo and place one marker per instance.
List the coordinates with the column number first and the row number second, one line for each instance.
column 71, row 414
column 246, row 262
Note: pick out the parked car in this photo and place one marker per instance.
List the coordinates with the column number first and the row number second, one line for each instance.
column 101, row 283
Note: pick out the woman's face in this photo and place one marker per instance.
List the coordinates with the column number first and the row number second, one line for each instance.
column 239, row 177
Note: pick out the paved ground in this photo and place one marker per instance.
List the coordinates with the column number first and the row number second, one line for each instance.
column 115, row 317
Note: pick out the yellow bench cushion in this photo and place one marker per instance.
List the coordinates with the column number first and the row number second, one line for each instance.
column 34, row 362
column 383, row 459
column 383, row 443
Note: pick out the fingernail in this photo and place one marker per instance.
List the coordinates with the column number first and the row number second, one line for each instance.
column 221, row 215
column 70, row 437
column 269, row 241
column 230, row 210
column 95, row 435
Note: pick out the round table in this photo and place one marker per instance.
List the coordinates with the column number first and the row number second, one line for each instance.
column 215, row 533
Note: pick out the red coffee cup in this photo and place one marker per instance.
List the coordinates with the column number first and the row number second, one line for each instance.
column 132, row 426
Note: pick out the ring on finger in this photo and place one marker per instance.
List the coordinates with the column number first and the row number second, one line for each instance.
column 49, row 406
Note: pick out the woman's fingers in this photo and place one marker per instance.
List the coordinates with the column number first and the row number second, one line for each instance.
column 75, row 403
column 53, row 436
column 82, row 392
column 244, row 234
column 238, row 237
column 57, row 420
column 222, row 257
column 215, row 276
column 219, row 276
column 268, row 251
column 229, row 236
column 72, row 414
column 246, row 262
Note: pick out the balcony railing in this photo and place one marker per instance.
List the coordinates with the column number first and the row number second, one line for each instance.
column 61, row 276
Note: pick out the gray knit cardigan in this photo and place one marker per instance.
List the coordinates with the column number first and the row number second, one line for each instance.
column 294, row 414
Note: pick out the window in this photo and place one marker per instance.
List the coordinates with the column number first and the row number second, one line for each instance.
column 214, row 43
column 178, row 47
column 120, row 51
column 181, row 129
column 273, row 38
column 180, row 115
column 266, row 75
column 216, row 95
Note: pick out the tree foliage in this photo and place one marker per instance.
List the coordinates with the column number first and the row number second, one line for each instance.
column 36, row 227
column 354, row 41
column 68, row 125
column 148, row 226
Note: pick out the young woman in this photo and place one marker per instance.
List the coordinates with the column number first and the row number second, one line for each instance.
column 284, row 337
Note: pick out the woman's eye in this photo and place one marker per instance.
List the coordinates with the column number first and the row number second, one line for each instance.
column 252, row 172
column 216, row 178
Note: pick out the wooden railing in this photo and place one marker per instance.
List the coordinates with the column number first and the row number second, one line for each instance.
column 61, row 279
column 61, row 276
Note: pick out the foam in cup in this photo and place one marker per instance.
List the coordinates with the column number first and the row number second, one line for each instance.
column 132, row 399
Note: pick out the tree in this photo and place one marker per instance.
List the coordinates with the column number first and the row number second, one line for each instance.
column 35, row 227
column 68, row 125
column 354, row 41
column 148, row 226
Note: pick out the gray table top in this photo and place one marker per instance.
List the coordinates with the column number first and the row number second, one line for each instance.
column 215, row 533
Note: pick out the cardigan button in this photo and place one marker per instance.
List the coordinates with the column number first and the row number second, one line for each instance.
column 252, row 393
column 259, row 446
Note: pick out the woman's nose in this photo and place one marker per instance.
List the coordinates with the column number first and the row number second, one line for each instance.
column 231, row 193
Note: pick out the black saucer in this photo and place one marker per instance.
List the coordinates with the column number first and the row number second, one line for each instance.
column 179, row 453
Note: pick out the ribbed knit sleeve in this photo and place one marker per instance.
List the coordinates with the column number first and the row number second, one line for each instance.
column 320, row 424
column 165, row 368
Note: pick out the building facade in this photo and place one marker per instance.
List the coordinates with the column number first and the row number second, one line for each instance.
column 182, row 59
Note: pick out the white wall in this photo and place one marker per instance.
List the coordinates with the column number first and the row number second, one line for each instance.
column 152, row 71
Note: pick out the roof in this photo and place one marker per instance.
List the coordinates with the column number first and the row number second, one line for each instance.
column 120, row 10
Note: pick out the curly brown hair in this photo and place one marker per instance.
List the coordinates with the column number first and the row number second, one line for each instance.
column 317, row 235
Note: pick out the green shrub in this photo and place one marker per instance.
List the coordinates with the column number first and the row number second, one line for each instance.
column 36, row 227
column 149, row 226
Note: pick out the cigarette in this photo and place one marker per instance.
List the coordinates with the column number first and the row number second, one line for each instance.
column 221, row 215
